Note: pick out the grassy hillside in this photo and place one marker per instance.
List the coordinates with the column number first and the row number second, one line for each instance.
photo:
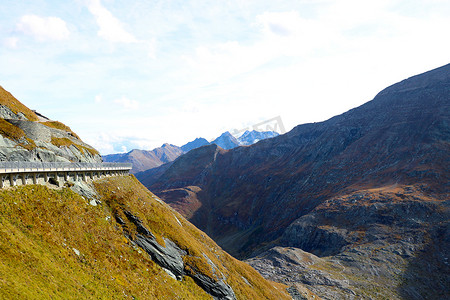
column 54, row 244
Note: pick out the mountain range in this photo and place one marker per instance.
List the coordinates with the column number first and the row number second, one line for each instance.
column 143, row 160
column 355, row 205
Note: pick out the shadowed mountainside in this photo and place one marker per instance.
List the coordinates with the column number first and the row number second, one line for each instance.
column 402, row 136
column 312, row 189
column 382, row 243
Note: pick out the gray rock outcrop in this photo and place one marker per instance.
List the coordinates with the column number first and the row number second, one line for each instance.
column 170, row 258
column 7, row 113
column 43, row 148
column 26, row 135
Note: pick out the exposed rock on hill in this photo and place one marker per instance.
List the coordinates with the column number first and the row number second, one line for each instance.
column 177, row 246
column 170, row 257
column 24, row 137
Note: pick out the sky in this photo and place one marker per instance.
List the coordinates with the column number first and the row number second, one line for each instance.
column 137, row 74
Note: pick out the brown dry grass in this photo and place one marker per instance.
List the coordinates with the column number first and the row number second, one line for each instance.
column 40, row 230
column 66, row 142
column 61, row 126
column 126, row 193
column 15, row 105
column 10, row 131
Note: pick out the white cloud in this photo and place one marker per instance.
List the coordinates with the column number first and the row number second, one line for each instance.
column 151, row 46
column 280, row 23
column 127, row 103
column 119, row 141
column 111, row 29
column 98, row 99
column 43, row 28
column 102, row 141
column 11, row 42
column 309, row 69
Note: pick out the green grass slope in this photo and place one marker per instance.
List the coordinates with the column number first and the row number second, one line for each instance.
column 54, row 244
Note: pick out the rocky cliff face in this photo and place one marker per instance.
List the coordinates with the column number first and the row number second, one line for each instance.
column 26, row 136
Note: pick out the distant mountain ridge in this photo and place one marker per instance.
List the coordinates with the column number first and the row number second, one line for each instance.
column 226, row 141
column 143, row 160
column 197, row 143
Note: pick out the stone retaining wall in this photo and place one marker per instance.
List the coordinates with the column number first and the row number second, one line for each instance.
column 22, row 173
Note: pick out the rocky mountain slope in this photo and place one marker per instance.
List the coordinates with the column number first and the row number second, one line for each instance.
column 109, row 239
column 27, row 136
column 381, row 243
column 310, row 188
